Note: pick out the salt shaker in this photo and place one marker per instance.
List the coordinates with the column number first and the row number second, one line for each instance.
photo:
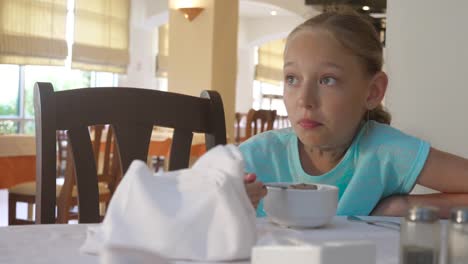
column 420, row 236
column 457, row 237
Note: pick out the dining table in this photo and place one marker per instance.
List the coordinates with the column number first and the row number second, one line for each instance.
column 58, row 243
column 18, row 154
column 17, row 159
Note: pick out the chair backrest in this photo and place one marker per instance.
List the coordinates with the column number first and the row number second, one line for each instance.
column 259, row 121
column 132, row 113
column 237, row 126
column 106, row 155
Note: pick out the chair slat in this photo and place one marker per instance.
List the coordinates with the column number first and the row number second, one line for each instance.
column 259, row 121
column 181, row 144
column 133, row 142
column 84, row 160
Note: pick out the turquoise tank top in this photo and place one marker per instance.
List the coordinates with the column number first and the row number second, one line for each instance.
column 379, row 163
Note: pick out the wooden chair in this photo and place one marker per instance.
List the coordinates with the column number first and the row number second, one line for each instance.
column 26, row 192
column 132, row 113
column 66, row 193
column 238, row 121
column 107, row 171
column 259, row 121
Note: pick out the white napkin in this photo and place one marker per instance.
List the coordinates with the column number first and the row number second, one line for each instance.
column 202, row 213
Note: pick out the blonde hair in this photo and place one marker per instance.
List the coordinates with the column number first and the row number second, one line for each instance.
column 358, row 35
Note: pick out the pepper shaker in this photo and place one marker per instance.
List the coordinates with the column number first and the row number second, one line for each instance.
column 420, row 236
column 457, row 237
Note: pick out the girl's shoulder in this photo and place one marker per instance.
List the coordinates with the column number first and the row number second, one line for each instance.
column 382, row 139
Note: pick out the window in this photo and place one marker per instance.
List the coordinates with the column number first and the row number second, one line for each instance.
column 268, row 83
column 269, row 97
column 16, row 100
column 16, row 96
column 162, row 84
column 9, row 99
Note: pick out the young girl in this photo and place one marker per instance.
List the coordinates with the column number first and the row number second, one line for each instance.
column 340, row 135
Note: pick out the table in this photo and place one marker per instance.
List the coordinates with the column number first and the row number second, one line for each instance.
column 18, row 154
column 162, row 136
column 161, row 140
column 17, row 159
column 61, row 243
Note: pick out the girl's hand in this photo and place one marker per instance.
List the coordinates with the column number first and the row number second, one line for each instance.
column 255, row 189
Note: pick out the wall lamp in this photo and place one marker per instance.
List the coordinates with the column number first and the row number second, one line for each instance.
column 190, row 13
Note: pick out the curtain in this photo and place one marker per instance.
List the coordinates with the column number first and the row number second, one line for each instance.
column 33, row 32
column 162, row 59
column 270, row 62
column 101, row 35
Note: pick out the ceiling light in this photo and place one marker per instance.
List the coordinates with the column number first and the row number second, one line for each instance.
column 366, row 8
column 273, row 13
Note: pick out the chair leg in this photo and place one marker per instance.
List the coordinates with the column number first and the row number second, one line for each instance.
column 30, row 212
column 11, row 209
column 102, row 208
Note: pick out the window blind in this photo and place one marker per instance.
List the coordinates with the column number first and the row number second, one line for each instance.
column 101, row 39
column 33, row 32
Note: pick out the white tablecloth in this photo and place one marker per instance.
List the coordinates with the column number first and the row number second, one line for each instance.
column 61, row 243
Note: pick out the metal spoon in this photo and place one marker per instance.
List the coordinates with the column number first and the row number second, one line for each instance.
column 275, row 185
column 381, row 223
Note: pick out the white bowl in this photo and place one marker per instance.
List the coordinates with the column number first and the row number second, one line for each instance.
column 300, row 208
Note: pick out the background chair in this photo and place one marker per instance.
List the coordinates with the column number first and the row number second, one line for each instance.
column 239, row 117
column 66, row 192
column 131, row 113
column 259, row 121
column 107, row 171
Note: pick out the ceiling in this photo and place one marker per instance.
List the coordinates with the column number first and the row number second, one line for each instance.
column 374, row 6
column 252, row 9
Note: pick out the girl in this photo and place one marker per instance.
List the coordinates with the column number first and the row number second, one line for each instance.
column 340, row 135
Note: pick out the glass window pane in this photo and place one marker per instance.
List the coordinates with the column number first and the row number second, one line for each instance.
column 9, row 93
column 104, row 79
column 60, row 77
column 266, row 104
column 163, row 84
column 278, row 105
column 9, row 127
column 29, row 127
column 268, row 88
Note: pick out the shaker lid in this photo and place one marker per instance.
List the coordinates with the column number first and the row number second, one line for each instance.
column 459, row 215
column 423, row 214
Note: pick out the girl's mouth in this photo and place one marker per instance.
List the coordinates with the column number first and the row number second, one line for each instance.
column 308, row 123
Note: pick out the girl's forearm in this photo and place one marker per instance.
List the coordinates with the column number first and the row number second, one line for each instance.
column 400, row 204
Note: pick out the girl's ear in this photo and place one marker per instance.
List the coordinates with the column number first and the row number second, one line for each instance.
column 377, row 89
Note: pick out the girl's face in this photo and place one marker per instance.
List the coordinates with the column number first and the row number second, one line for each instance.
column 325, row 89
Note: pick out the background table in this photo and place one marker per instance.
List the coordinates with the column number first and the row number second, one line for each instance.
column 18, row 154
column 17, row 159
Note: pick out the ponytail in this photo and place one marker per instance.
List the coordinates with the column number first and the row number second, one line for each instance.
column 379, row 114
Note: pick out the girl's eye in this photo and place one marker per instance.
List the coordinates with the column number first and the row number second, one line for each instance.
column 329, row 81
column 291, row 80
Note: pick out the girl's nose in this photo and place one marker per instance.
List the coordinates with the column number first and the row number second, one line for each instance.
column 307, row 97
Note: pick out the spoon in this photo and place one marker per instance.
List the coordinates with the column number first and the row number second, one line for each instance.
column 381, row 223
column 275, row 185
